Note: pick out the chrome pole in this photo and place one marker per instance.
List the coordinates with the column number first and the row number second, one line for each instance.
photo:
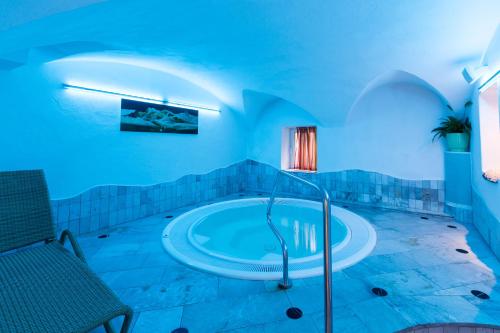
column 327, row 263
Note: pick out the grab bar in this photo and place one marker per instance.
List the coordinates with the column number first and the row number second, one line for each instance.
column 327, row 252
column 285, row 283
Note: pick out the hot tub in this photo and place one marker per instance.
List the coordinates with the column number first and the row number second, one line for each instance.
column 232, row 238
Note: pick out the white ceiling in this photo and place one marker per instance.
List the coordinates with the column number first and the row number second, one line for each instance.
column 17, row 12
column 317, row 54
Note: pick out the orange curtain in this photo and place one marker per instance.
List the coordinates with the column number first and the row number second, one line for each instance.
column 305, row 148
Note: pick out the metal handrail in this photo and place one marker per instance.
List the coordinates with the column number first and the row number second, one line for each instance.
column 327, row 254
column 285, row 283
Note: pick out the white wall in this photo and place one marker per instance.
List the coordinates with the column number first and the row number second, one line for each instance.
column 265, row 138
column 489, row 127
column 388, row 131
column 75, row 136
column 489, row 192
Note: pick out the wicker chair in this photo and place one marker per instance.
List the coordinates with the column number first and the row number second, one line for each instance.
column 43, row 287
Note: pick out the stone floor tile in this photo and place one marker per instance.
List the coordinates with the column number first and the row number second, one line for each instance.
column 133, row 278
column 345, row 291
column 457, row 274
column 175, row 293
column 237, row 288
column 309, row 299
column 409, row 282
column 305, row 324
column 379, row 316
column 165, row 320
column 491, row 264
column 344, row 320
column 120, row 263
column 425, row 309
column 233, row 313
column 426, row 257
column 390, row 246
column 117, row 249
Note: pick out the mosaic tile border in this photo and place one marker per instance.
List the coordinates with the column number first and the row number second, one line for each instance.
column 356, row 186
column 109, row 205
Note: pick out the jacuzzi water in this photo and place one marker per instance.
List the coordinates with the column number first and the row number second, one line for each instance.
column 243, row 233
column 232, row 238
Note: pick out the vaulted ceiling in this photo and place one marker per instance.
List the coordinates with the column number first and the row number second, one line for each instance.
column 317, row 54
column 18, row 12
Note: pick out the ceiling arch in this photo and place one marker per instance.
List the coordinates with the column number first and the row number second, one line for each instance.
column 18, row 12
column 397, row 77
column 172, row 67
column 319, row 55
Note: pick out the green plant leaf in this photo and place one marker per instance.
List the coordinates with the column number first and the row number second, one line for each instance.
column 451, row 124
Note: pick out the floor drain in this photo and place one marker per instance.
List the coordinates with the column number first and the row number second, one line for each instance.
column 169, row 216
column 180, row 330
column 424, row 217
column 103, row 236
column 480, row 294
column 294, row 313
column 451, row 226
column 461, row 251
column 379, row 292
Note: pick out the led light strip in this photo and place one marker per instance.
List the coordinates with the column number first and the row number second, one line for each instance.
column 489, row 81
column 149, row 99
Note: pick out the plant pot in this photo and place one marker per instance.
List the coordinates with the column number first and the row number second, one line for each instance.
column 457, row 142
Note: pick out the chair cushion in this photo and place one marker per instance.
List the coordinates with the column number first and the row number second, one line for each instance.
column 48, row 289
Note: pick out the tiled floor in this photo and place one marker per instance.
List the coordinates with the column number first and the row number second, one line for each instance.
column 414, row 260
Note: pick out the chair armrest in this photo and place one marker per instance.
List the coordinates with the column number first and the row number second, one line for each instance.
column 66, row 234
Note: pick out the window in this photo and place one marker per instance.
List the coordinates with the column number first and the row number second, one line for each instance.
column 489, row 128
column 299, row 152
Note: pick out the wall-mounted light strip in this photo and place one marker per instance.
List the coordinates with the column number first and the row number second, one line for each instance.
column 489, row 81
column 149, row 99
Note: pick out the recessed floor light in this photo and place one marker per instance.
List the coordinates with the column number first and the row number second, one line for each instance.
column 294, row 313
column 380, row 292
column 480, row 294
column 103, row 236
column 180, row 330
column 461, row 251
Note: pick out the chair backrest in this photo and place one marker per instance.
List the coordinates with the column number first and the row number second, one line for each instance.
column 25, row 213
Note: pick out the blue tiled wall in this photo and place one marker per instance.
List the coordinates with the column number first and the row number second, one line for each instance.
column 108, row 205
column 356, row 186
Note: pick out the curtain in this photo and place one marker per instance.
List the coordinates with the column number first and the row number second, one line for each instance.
column 305, row 148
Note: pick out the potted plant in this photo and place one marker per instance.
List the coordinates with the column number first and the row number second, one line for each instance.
column 456, row 131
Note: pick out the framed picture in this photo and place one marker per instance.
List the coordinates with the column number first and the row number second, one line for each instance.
column 139, row 116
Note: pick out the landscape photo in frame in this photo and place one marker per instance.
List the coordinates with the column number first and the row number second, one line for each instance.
column 138, row 116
